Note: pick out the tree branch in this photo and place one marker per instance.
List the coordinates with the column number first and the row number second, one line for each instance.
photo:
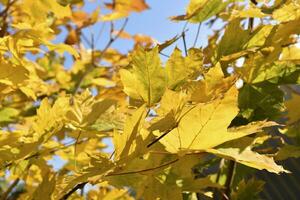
column 144, row 170
column 8, row 5
column 78, row 186
column 9, row 189
column 229, row 178
column 4, row 15
column 47, row 152
column 110, row 42
column 159, row 138
column 81, row 185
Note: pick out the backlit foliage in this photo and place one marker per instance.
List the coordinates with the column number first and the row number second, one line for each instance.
column 179, row 127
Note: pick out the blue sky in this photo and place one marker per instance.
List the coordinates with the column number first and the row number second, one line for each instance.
column 154, row 22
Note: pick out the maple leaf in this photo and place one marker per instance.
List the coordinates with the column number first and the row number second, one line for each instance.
column 45, row 188
column 288, row 151
column 206, row 126
column 249, row 158
column 288, row 12
column 146, row 80
column 293, row 114
column 122, row 8
column 251, row 187
column 201, row 10
column 126, row 142
column 165, row 127
column 179, row 69
column 38, row 11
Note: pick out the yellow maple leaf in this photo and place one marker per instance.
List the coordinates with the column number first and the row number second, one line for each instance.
column 146, row 80
column 292, row 105
column 249, row 158
column 125, row 143
column 206, row 126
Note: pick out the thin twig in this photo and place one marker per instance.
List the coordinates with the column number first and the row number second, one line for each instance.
column 250, row 23
column 229, row 178
column 100, row 32
column 184, row 27
column 110, row 42
column 197, row 35
column 143, row 170
column 9, row 189
column 251, row 19
column 169, row 130
column 75, row 150
column 184, row 43
column 78, row 186
column 85, row 39
column 183, row 37
column 81, row 185
column 164, row 54
column 159, row 138
column 47, row 152
column 4, row 15
column 217, row 191
column 113, row 39
column 78, row 83
column 112, row 154
column 8, row 5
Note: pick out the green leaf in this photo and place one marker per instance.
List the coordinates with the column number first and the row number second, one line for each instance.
column 260, row 101
column 8, row 114
column 288, row 151
column 248, row 190
column 233, row 39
